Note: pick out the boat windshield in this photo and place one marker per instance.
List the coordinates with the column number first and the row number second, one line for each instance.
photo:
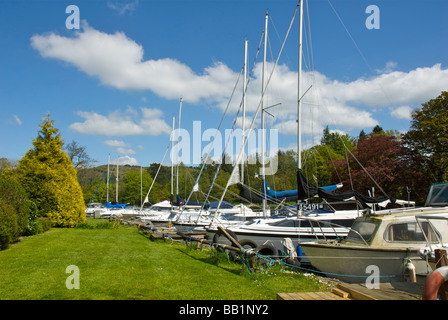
column 171, row 216
column 234, row 217
column 161, row 209
column 361, row 231
column 409, row 232
column 437, row 195
column 94, row 205
column 288, row 223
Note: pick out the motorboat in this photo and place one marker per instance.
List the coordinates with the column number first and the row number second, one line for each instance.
column 109, row 211
column 429, row 251
column 92, row 207
column 389, row 242
column 386, row 243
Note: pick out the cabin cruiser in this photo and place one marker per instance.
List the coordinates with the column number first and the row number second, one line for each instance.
column 109, row 211
column 389, row 243
column 428, row 252
column 92, row 207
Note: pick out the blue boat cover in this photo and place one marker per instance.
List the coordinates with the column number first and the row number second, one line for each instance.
column 271, row 194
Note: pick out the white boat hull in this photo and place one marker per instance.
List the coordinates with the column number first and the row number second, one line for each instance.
column 305, row 229
column 360, row 264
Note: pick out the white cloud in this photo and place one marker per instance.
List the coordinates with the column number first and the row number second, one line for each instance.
column 116, row 143
column 18, row 121
column 117, row 61
column 413, row 87
column 116, row 123
column 125, row 151
column 403, row 112
column 353, row 105
column 390, row 65
column 288, row 127
column 340, row 132
column 123, row 7
column 122, row 147
column 127, row 160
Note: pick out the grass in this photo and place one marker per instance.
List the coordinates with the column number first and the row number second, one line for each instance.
column 117, row 262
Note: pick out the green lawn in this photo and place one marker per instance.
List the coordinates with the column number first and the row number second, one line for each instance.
column 121, row 263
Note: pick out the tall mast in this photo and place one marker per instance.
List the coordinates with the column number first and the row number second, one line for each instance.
column 244, row 119
column 244, row 109
column 178, row 135
column 172, row 164
column 299, row 92
column 107, row 187
column 116, row 196
column 141, row 186
column 299, row 102
column 262, row 114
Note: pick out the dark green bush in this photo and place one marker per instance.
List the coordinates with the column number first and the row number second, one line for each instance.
column 12, row 193
column 9, row 229
column 98, row 224
column 45, row 224
column 35, row 223
column 19, row 216
column 40, row 225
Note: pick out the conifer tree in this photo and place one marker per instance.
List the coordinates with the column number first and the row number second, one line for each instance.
column 47, row 173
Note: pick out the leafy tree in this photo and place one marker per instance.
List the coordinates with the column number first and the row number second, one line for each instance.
column 362, row 136
column 338, row 142
column 385, row 161
column 47, row 174
column 5, row 164
column 429, row 135
column 206, row 180
column 94, row 191
column 285, row 178
column 134, row 187
column 318, row 164
column 78, row 155
column 164, row 175
column 377, row 130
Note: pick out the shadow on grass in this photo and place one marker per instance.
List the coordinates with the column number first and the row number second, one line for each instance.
column 217, row 259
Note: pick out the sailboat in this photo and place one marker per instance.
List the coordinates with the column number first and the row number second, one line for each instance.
column 161, row 213
column 220, row 211
column 174, row 211
column 184, row 212
column 118, row 210
column 309, row 223
column 109, row 210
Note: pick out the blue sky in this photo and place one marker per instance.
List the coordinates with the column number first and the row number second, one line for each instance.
column 114, row 85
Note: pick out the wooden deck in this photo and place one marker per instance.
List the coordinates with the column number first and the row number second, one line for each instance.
column 351, row 291
column 310, row 296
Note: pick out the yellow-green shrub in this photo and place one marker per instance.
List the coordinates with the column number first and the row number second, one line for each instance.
column 48, row 176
